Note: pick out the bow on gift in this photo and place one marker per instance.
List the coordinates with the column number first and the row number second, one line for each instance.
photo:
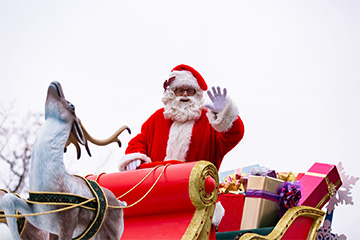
column 262, row 171
column 289, row 196
column 287, row 176
column 232, row 184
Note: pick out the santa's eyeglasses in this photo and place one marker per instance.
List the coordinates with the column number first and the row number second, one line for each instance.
column 189, row 91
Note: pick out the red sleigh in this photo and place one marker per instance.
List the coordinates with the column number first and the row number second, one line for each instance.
column 177, row 201
column 179, row 206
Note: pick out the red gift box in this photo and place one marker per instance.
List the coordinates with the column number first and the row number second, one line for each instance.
column 319, row 184
column 233, row 205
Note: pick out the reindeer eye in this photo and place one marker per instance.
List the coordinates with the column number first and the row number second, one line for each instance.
column 72, row 106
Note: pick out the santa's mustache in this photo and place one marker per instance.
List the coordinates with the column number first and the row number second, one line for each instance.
column 183, row 99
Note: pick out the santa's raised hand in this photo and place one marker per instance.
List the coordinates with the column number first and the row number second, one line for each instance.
column 218, row 99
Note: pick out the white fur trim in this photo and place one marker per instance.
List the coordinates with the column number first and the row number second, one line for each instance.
column 223, row 120
column 128, row 158
column 218, row 214
column 184, row 78
column 179, row 140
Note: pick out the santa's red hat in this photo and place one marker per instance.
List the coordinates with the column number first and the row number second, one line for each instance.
column 184, row 75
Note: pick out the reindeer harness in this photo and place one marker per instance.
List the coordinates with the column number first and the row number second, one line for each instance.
column 99, row 204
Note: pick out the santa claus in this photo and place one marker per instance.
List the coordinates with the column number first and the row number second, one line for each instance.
column 186, row 129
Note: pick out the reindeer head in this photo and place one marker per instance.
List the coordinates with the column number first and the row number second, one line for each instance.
column 58, row 108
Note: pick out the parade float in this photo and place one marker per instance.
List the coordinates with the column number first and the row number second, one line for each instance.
column 175, row 200
column 169, row 199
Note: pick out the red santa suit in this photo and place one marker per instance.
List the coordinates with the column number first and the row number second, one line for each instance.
column 197, row 135
column 208, row 138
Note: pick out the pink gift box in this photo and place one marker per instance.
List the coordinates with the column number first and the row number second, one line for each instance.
column 319, row 184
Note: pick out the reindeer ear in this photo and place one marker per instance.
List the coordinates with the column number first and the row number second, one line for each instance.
column 72, row 140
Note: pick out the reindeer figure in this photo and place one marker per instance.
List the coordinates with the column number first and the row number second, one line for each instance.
column 48, row 174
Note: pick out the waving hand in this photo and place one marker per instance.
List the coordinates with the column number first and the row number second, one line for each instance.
column 218, row 99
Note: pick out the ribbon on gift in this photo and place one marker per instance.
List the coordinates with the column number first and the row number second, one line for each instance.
column 287, row 176
column 232, row 184
column 331, row 186
column 252, row 193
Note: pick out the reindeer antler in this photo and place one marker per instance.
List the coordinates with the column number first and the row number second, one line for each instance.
column 88, row 137
column 112, row 138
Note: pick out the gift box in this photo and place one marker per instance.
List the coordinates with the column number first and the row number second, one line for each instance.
column 261, row 202
column 243, row 172
column 233, row 205
column 319, row 184
column 233, row 184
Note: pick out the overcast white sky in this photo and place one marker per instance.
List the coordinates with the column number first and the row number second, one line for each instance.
column 292, row 67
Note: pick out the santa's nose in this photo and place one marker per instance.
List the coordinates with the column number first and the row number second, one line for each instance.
column 185, row 94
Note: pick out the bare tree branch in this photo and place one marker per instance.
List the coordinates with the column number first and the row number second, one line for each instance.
column 17, row 135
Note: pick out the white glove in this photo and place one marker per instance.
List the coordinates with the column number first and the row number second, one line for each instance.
column 218, row 99
column 133, row 165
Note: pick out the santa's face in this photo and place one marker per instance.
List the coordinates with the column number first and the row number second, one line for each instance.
column 183, row 103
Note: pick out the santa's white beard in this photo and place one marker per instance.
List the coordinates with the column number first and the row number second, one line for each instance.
column 184, row 114
column 182, row 109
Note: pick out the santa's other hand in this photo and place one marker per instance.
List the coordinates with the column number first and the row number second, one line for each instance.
column 218, row 99
column 133, row 165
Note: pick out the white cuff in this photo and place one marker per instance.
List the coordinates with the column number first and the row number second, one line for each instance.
column 223, row 120
column 218, row 214
column 131, row 157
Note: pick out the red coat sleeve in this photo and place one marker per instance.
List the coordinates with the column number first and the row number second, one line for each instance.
column 152, row 139
column 139, row 144
column 229, row 139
